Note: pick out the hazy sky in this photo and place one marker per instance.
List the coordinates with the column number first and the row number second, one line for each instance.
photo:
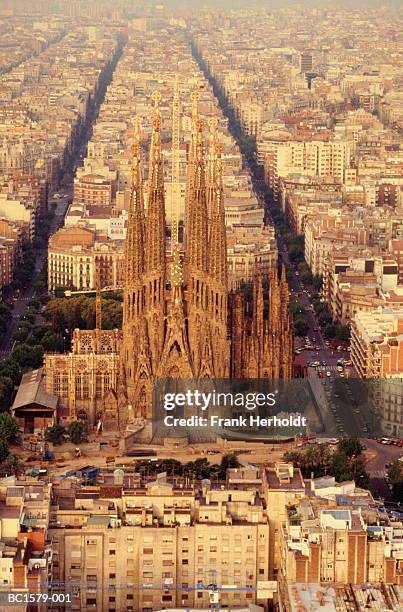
column 279, row 3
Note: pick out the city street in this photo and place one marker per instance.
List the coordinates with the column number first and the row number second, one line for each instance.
column 7, row 341
column 339, row 394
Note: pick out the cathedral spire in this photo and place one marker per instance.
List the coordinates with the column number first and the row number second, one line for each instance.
column 135, row 230
column 211, row 166
column 175, row 184
column 176, row 267
column 196, row 252
column 218, row 242
column 258, row 306
column 155, row 224
column 191, row 160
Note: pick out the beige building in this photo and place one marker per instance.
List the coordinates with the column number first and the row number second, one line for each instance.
column 243, row 211
column 25, row 554
column 370, row 332
column 77, row 254
column 251, row 249
column 282, row 484
column 326, row 233
column 93, row 190
column 311, row 158
column 377, row 354
column 169, row 538
column 361, row 266
column 323, row 544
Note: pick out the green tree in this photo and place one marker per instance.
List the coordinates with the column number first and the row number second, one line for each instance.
column 343, row 333
column 329, row 331
column 301, row 327
column 22, row 332
column 340, row 467
column 296, row 253
column 10, row 369
column 325, row 318
column 228, row 461
column 80, row 312
column 52, row 342
column 352, row 447
column 306, row 277
column 6, row 391
column 317, row 282
column 318, row 460
column 171, row 466
column 28, row 357
column 11, row 465
column 295, row 308
column 77, row 431
column 397, row 491
column 55, row 434
column 8, row 427
column 4, row 452
column 395, row 471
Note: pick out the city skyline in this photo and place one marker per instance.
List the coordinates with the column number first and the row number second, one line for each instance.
column 201, row 200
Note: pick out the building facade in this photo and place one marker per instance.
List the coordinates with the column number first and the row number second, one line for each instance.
column 76, row 255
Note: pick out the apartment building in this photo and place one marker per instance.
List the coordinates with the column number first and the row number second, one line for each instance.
column 25, row 556
column 396, row 251
column 362, row 286
column 93, row 190
column 377, row 354
column 282, row 484
column 76, row 255
column 369, row 332
column 170, row 539
column 251, row 249
column 311, row 158
column 340, row 546
column 324, row 234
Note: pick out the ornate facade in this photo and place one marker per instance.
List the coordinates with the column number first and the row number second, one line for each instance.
column 179, row 318
column 83, row 378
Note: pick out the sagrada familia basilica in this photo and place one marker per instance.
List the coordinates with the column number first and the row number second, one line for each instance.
column 179, row 318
